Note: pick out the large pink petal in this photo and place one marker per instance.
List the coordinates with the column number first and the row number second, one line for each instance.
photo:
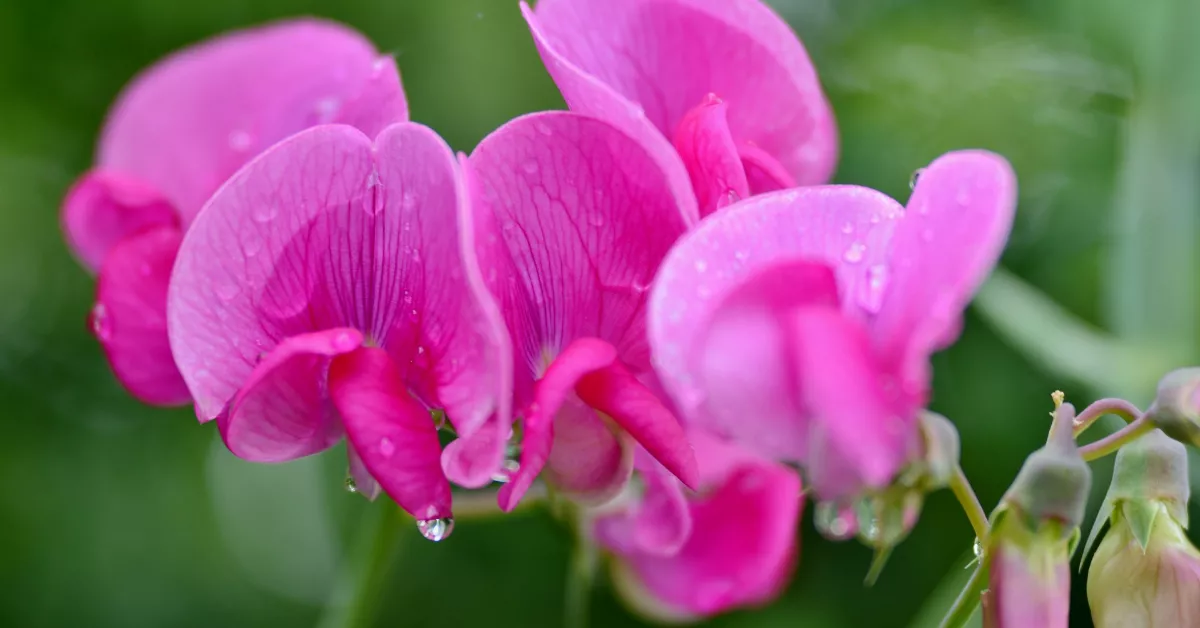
column 589, row 95
column 282, row 413
column 103, row 207
column 379, row 103
column 130, row 316
column 392, row 433
column 740, row 552
column 953, row 231
column 711, row 156
column 666, row 55
column 844, row 227
column 278, row 252
column 229, row 98
column 586, row 216
column 858, row 434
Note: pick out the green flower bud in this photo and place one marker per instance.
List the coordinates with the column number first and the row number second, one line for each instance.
column 1176, row 407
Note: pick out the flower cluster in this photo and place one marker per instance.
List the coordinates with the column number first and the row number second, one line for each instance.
column 651, row 304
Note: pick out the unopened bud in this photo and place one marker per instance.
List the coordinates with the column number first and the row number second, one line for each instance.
column 1029, row 573
column 941, row 449
column 1053, row 483
column 1176, row 408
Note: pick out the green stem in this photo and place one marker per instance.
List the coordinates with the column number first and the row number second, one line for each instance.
column 356, row 597
column 960, row 613
column 1098, row 409
column 580, row 576
column 970, row 503
column 1117, row 439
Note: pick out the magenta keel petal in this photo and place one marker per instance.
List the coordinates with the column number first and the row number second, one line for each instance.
column 103, row 207
column 711, row 157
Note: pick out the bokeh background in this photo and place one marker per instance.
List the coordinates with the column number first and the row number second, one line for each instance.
column 115, row 514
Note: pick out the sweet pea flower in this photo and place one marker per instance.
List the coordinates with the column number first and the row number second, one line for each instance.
column 176, row 133
column 572, row 217
column 721, row 92
column 800, row 323
column 322, row 293
column 685, row 556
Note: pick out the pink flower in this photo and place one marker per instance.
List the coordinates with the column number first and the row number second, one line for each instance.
column 688, row 556
column 800, row 323
column 322, row 293
column 721, row 92
column 1030, row 577
column 572, row 217
column 177, row 133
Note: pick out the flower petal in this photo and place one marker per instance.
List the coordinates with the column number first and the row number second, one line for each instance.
column 379, row 103
column 586, row 217
column 261, row 263
column 130, row 317
column 763, row 173
column 857, row 435
column 710, row 155
column 364, row 483
column 103, row 207
column 591, row 459
column 589, row 95
column 391, row 431
column 281, row 413
column 666, row 55
column 613, row 390
column 229, row 98
column 740, row 552
column 659, row 523
column 951, row 237
column 844, row 227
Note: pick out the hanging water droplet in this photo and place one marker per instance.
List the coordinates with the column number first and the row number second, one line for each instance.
column 912, row 181
column 436, row 529
column 351, row 485
column 834, row 522
column 731, row 197
column 854, row 254
column 977, row 548
column 101, row 324
column 506, row 471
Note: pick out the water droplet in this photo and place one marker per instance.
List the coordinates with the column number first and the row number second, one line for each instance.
column 977, row 548
column 544, row 129
column 875, row 218
column 265, row 212
column 240, row 140
column 731, row 197
column 420, row 350
column 227, row 291
column 327, row 108
column 741, row 255
column 701, row 265
column 386, row 447
column 506, row 471
column 834, row 522
column 964, row 196
column 439, row 418
column 848, row 228
column 912, row 181
column 408, row 299
column 252, row 243
column 101, row 324
column 530, row 167
column 871, row 291
column 344, row 341
column 408, row 201
column 436, row 529
column 596, row 220
column 479, row 16
column 351, row 485
column 854, row 254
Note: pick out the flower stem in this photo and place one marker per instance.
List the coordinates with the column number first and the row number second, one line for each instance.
column 970, row 503
column 1102, row 407
column 1116, row 440
column 960, row 613
column 356, row 597
column 580, row 576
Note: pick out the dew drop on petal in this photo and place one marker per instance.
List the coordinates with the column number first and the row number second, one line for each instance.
column 436, row 529
column 264, row 212
column 227, row 291
column 100, row 322
column 701, row 265
column 848, row 228
column 408, row 201
column 596, row 220
column 240, row 140
column 912, row 180
column 386, row 447
column 530, row 167
column 870, row 293
column 854, row 254
column 544, row 129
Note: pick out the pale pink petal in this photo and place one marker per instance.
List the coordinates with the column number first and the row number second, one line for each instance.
column 591, row 459
column 857, row 434
column 277, row 252
column 666, row 55
column 379, row 103
column 763, row 173
column 846, row 227
column 550, row 393
column 953, row 231
column 711, row 156
column 364, row 483
column 392, row 433
column 103, row 207
column 1028, row 589
column 229, row 98
column 613, row 390
column 658, row 523
column 586, row 217
column 281, row 412
column 740, row 552
column 130, row 317
column 745, row 373
column 589, row 95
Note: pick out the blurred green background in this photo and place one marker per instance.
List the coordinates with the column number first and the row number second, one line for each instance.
column 114, row 514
